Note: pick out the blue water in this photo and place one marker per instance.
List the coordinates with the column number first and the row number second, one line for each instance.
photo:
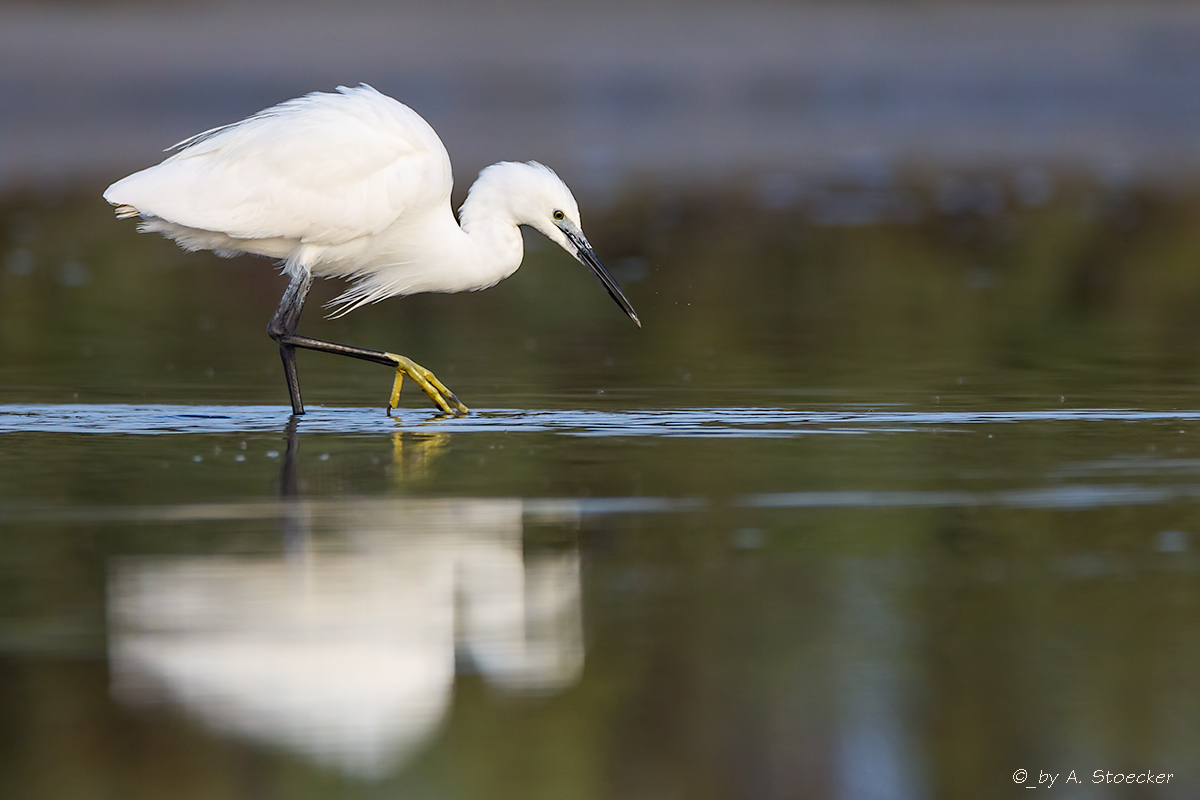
column 676, row 422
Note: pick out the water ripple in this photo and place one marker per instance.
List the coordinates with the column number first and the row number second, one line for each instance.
column 676, row 422
column 1070, row 497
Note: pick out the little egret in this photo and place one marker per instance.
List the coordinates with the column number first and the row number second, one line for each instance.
column 352, row 185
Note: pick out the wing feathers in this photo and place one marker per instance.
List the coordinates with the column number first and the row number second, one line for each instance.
column 322, row 169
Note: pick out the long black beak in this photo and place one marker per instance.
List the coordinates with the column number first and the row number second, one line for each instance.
column 587, row 256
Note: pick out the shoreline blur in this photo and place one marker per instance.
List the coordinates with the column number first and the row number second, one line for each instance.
column 668, row 93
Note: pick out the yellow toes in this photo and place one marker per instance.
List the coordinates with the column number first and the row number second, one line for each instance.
column 428, row 382
column 397, row 384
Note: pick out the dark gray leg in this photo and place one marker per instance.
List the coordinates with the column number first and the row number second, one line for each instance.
column 282, row 329
column 282, row 325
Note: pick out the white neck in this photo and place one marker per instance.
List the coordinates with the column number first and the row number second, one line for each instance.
column 496, row 246
column 505, row 196
column 436, row 253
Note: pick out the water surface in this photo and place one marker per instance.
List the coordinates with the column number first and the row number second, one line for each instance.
column 884, row 510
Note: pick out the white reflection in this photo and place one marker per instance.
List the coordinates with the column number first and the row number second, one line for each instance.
column 876, row 755
column 344, row 650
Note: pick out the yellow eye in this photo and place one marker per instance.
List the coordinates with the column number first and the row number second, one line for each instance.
column 558, row 215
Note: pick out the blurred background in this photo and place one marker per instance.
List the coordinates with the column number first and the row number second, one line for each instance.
column 697, row 92
column 893, row 495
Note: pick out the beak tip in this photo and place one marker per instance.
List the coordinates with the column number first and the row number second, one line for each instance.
column 586, row 256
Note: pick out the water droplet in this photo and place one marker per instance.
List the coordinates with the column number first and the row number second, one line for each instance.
column 19, row 262
column 73, row 273
column 1171, row 541
column 748, row 538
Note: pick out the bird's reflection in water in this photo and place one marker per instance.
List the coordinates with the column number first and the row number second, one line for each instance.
column 344, row 647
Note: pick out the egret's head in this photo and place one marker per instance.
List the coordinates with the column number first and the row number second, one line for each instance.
column 533, row 195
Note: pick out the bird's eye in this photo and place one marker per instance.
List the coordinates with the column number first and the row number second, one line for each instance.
column 558, row 215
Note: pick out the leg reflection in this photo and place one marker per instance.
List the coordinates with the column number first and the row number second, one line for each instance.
column 295, row 528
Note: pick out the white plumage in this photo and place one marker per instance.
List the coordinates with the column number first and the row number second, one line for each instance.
column 356, row 185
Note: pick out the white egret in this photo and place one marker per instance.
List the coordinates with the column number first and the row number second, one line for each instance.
column 355, row 185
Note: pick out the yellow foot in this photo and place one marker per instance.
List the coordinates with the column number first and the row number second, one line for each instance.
column 429, row 383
